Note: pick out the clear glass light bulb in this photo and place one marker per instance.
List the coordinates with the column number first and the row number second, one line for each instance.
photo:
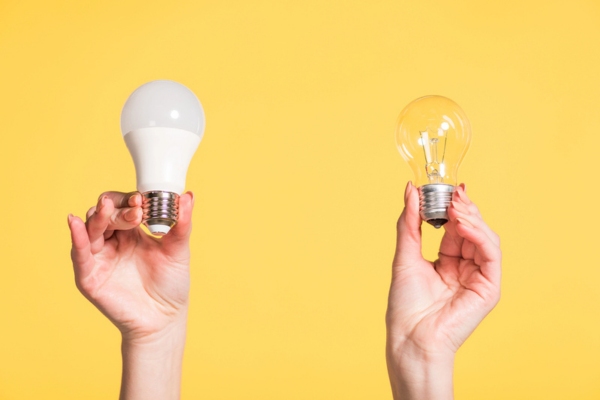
column 433, row 135
column 162, row 123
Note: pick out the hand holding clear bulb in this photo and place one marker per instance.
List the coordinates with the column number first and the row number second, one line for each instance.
column 433, row 306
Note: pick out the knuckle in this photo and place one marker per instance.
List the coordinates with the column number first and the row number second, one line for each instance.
column 115, row 217
column 90, row 212
column 103, row 194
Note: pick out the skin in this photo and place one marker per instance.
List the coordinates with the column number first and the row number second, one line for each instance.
column 141, row 284
column 434, row 306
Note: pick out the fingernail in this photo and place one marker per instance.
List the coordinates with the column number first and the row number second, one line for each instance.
column 70, row 218
column 132, row 201
column 102, row 202
column 192, row 194
column 406, row 191
column 463, row 186
column 464, row 222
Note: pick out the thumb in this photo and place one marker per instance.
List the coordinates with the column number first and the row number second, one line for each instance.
column 408, row 244
column 180, row 233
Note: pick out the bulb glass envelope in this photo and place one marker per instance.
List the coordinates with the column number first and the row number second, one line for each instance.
column 165, row 104
column 162, row 123
column 433, row 135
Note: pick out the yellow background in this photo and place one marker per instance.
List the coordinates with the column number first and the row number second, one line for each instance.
column 299, row 185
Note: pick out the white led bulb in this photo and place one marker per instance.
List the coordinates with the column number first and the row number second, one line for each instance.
column 162, row 123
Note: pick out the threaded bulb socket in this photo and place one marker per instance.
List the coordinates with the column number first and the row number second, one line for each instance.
column 161, row 211
column 434, row 200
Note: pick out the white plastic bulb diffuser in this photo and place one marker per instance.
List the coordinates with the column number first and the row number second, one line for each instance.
column 433, row 135
column 162, row 123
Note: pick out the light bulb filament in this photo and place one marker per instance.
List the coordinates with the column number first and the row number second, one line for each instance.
column 425, row 143
column 434, row 143
column 434, row 167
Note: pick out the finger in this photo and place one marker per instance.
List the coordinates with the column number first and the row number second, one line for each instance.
column 408, row 244
column 80, row 251
column 179, row 235
column 489, row 253
column 122, row 200
column 468, row 250
column 458, row 212
column 128, row 216
column 123, row 219
column 452, row 242
column 97, row 223
column 129, row 211
column 90, row 212
column 462, row 204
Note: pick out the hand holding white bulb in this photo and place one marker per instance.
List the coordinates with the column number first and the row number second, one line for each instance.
column 142, row 284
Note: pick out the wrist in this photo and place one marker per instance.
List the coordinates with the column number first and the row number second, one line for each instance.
column 164, row 344
column 159, row 333
column 417, row 373
column 152, row 364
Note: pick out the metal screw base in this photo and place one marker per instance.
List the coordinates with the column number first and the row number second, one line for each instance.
column 434, row 200
column 161, row 211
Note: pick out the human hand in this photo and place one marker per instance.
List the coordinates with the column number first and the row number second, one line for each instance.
column 139, row 282
column 434, row 306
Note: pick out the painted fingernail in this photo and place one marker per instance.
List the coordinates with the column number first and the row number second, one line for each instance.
column 463, row 186
column 464, row 222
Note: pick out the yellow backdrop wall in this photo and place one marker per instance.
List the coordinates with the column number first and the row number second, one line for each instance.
column 299, row 185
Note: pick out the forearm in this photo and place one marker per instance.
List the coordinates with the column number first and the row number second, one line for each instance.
column 152, row 367
column 416, row 375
